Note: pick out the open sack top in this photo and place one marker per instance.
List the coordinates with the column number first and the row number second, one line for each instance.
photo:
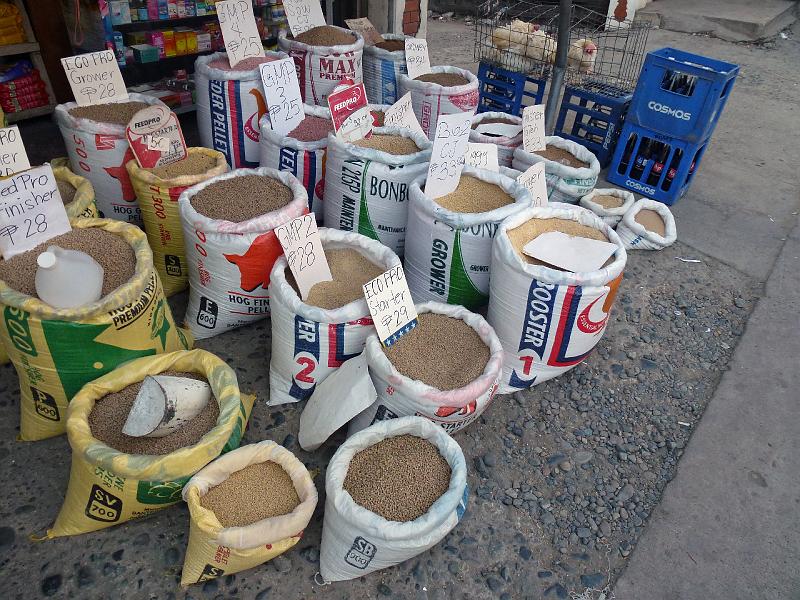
column 629, row 229
column 147, row 175
column 202, row 67
column 309, row 110
column 588, row 201
column 556, row 168
column 382, row 53
column 386, row 158
column 441, row 90
column 64, row 119
column 500, row 140
column 287, row 43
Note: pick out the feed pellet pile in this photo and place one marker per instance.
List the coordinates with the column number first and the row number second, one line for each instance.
column 193, row 164
column 325, row 35
column 66, row 190
column 560, row 155
column 392, row 144
column 651, row 220
column 608, row 201
column 248, row 64
column 239, row 199
column 117, row 113
column 311, row 129
column 391, row 45
column 474, row 195
column 443, row 79
column 350, row 270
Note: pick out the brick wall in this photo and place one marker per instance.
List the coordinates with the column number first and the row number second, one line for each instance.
column 411, row 17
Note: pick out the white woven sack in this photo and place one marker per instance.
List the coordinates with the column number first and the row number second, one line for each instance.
column 366, row 190
column 99, row 152
column 548, row 320
column 308, row 342
column 505, row 145
column 381, row 70
column 610, row 216
column 229, row 263
column 448, row 254
column 355, row 540
column 636, row 237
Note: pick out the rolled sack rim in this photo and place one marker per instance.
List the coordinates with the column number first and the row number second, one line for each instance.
column 391, row 55
column 556, row 168
column 287, row 43
column 671, row 231
column 412, row 85
column 82, row 185
column 202, row 67
column 66, row 120
column 501, row 140
column 386, row 158
column 284, row 141
column 150, row 178
column 628, row 200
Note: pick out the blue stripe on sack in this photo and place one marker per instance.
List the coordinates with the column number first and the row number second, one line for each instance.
column 388, row 83
column 312, row 178
column 217, row 102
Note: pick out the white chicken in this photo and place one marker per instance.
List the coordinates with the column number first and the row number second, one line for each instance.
column 541, row 47
column 581, row 55
column 512, row 37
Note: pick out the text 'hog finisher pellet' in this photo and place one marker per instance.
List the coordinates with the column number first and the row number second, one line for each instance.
column 474, row 195
column 240, row 199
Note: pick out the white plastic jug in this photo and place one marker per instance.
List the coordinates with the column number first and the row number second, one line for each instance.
column 68, row 278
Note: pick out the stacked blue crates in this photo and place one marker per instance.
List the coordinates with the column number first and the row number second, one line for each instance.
column 674, row 110
column 507, row 91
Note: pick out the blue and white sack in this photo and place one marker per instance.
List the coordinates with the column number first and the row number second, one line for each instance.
column 381, row 69
column 636, row 237
column 612, row 215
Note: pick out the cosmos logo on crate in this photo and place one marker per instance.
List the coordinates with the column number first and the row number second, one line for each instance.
column 361, row 553
column 672, row 112
column 103, row 506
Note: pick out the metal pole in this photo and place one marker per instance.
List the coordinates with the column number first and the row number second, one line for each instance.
column 557, row 81
column 390, row 17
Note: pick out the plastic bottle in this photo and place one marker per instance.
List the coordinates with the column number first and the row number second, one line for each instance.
column 68, row 278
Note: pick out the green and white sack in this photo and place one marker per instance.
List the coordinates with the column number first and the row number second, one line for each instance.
column 636, row 237
column 505, row 144
column 610, row 216
column 381, row 70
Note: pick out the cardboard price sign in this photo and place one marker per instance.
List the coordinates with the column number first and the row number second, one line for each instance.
column 448, row 154
column 302, row 246
column 534, row 181
column 573, row 253
column 483, row 156
column 365, row 28
column 303, row 15
column 239, row 30
column 350, row 112
column 282, row 91
column 95, row 78
column 533, row 128
column 155, row 137
column 31, row 211
column 13, row 157
column 401, row 114
column 417, row 60
column 390, row 304
column 499, row 129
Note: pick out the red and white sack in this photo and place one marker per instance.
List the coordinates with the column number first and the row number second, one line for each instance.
column 229, row 106
column 229, row 263
column 505, row 145
column 610, row 216
column 320, row 68
column 400, row 396
column 381, row 70
column 636, row 237
column 548, row 320
column 431, row 99
column 99, row 152
column 308, row 342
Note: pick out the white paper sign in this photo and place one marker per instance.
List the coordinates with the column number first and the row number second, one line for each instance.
column 508, row 130
column 31, row 211
column 534, row 181
column 239, row 30
column 390, row 304
column 302, row 246
column 282, row 91
column 573, row 253
column 482, row 156
column 365, row 27
column 417, row 59
column 155, row 137
column 95, row 78
column 448, row 154
column 13, row 157
column 533, row 128
column 401, row 114
column 303, row 15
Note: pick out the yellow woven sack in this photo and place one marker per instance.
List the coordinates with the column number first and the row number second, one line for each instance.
column 57, row 351
column 82, row 205
column 158, row 201
column 215, row 550
column 107, row 487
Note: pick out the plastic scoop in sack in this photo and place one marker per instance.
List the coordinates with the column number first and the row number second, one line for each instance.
column 68, row 278
column 164, row 404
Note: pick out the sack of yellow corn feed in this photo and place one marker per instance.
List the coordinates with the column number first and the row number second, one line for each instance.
column 108, row 487
column 76, row 192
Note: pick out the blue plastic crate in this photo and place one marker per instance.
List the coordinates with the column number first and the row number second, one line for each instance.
column 681, row 94
column 507, row 91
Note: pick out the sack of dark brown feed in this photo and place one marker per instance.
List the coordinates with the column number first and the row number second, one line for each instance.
column 56, row 351
column 367, row 183
column 498, row 128
column 98, row 150
column 246, row 508
column 157, row 191
column 76, row 192
column 383, row 63
column 312, row 338
column 228, row 226
column 647, row 225
column 446, row 369
column 548, row 319
column 394, row 490
column 115, row 477
column 449, row 241
column 323, row 56
column 608, row 204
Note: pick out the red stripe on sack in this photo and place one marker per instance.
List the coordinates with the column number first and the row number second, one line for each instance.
column 332, row 339
column 234, row 116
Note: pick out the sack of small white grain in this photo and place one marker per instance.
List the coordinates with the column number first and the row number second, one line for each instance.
column 449, row 243
column 366, row 190
column 383, row 64
column 229, row 263
column 505, row 144
column 214, row 550
column 230, row 103
column 608, row 204
column 457, row 93
column 565, row 183
column 452, row 409
column 99, row 151
column 323, row 56
column 647, row 225
column 548, row 320
column 355, row 540
column 309, row 342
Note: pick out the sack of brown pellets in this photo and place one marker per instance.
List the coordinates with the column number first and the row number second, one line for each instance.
column 443, row 91
column 56, row 351
column 114, row 477
column 367, row 183
column 76, row 192
column 157, row 191
column 323, row 56
column 498, row 128
column 608, row 204
column 312, row 338
column 98, row 150
column 394, row 490
column 230, row 103
column 246, row 508
column 449, row 240
column 548, row 319
column 228, row 226
column 383, row 63
column 647, row 225
column 446, row 369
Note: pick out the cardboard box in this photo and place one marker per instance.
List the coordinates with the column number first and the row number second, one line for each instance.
column 203, row 41
column 145, row 53
column 156, row 38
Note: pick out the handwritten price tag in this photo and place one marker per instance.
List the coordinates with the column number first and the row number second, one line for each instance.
column 448, row 154
column 282, row 91
column 155, row 137
column 31, row 211
column 390, row 304
column 13, row 157
column 239, row 30
column 302, row 246
column 534, row 181
column 350, row 112
column 533, row 128
column 483, row 156
column 365, row 27
column 401, row 114
column 417, row 60
column 95, row 78
column 303, row 15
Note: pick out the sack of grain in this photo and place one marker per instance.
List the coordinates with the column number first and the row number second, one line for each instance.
column 323, row 56
column 446, row 370
column 246, row 508
column 383, row 63
column 548, row 320
column 356, row 540
column 570, row 169
column 608, row 204
column 76, row 192
column 443, row 91
column 231, row 246
column 449, row 240
column 230, row 103
column 648, row 225
column 366, row 189
column 108, row 486
column 505, row 144
column 98, row 150
column 56, row 351
column 312, row 339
